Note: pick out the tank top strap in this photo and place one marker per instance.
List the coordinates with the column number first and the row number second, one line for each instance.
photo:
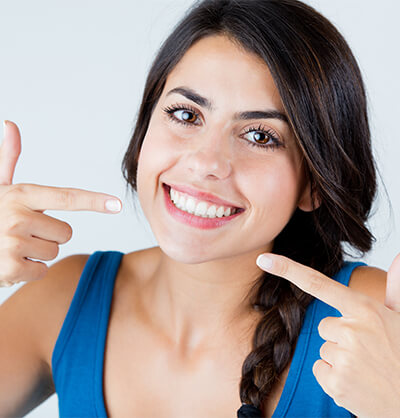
column 302, row 394
column 343, row 277
column 77, row 358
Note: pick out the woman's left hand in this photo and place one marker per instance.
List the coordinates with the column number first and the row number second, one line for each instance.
column 360, row 360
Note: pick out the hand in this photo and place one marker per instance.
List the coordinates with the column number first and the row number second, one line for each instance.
column 360, row 365
column 25, row 231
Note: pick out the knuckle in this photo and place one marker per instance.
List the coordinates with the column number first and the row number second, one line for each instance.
column 315, row 284
column 281, row 267
column 14, row 222
column 13, row 245
column 16, row 190
column 348, row 335
column 92, row 203
column 65, row 198
column 370, row 314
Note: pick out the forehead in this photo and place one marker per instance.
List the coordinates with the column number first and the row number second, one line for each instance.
column 222, row 70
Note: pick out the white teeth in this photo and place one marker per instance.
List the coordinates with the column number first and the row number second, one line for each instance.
column 201, row 209
column 220, row 212
column 192, row 206
column 212, row 210
column 173, row 196
column 181, row 202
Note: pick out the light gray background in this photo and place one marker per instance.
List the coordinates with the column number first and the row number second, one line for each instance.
column 72, row 75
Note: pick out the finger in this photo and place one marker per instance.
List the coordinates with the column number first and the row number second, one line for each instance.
column 40, row 198
column 32, row 270
column 10, row 150
column 322, row 370
column 330, row 329
column 21, row 269
column 37, row 248
column 392, row 298
column 344, row 299
column 45, row 227
column 328, row 352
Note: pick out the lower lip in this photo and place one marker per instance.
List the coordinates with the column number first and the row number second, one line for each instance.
column 193, row 220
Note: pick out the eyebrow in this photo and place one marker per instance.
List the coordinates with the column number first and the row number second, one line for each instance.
column 204, row 102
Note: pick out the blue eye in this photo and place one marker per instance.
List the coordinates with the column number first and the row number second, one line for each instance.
column 263, row 135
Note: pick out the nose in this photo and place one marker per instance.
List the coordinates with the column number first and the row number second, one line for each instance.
column 210, row 156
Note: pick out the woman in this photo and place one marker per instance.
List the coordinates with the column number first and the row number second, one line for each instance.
column 252, row 137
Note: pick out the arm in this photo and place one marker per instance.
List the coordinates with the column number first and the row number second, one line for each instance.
column 30, row 321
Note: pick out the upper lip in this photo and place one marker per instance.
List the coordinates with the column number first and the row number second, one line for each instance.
column 200, row 195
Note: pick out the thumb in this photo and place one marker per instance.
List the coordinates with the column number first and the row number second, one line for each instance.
column 10, row 150
column 392, row 299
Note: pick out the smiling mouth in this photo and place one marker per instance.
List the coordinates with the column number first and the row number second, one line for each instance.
column 198, row 206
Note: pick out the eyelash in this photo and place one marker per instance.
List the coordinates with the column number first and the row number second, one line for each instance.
column 169, row 110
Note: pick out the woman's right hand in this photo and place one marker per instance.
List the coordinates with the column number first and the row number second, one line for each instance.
column 25, row 231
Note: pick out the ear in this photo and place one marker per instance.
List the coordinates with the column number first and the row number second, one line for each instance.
column 305, row 201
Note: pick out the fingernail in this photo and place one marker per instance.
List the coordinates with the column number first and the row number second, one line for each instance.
column 264, row 261
column 113, row 205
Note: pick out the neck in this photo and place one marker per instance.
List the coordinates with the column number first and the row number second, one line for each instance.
column 198, row 305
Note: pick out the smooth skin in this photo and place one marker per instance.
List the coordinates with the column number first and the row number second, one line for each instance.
column 183, row 300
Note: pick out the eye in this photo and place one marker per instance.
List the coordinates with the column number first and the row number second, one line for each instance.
column 185, row 114
column 264, row 138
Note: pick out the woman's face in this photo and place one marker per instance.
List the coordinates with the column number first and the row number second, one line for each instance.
column 215, row 151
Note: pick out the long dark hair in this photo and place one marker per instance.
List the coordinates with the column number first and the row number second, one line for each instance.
column 323, row 94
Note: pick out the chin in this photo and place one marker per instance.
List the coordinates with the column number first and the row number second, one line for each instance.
column 188, row 254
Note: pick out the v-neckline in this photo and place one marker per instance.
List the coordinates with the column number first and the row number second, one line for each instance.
column 291, row 380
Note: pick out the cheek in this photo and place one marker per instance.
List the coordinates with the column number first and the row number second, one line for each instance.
column 271, row 186
column 156, row 156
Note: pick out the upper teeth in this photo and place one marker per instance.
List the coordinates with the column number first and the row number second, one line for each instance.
column 198, row 207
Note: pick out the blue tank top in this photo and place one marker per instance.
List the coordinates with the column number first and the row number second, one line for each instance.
column 78, row 355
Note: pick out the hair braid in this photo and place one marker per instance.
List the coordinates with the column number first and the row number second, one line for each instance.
column 283, row 307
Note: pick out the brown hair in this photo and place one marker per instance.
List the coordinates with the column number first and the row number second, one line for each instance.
column 323, row 94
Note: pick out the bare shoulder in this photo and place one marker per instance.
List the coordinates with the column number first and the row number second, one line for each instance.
column 369, row 280
column 44, row 303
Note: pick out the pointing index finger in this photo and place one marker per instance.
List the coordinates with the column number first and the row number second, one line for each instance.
column 38, row 197
column 313, row 282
